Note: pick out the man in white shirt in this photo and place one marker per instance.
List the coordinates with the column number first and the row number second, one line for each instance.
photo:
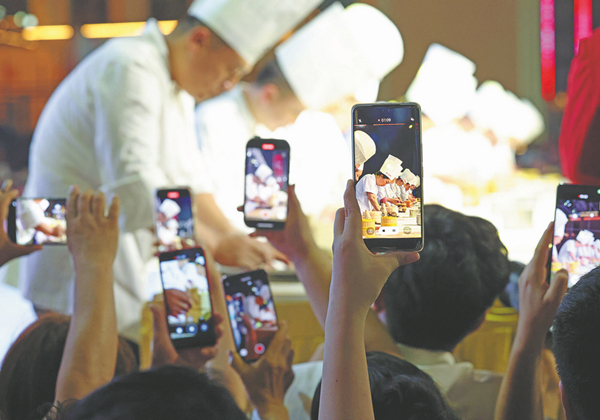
column 123, row 122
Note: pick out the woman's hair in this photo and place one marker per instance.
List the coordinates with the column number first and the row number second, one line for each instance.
column 399, row 390
column 167, row 392
column 379, row 173
column 30, row 368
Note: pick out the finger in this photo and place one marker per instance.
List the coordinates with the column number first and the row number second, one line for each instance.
column 240, row 209
column 558, row 286
column 353, row 220
column 209, row 353
column 98, row 205
column 163, row 350
column 84, row 203
column 72, row 201
column 338, row 224
column 279, row 340
column 7, row 185
column 290, row 357
column 22, row 250
column 294, row 206
column 238, row 364
column 396, row 259
column 115, row 207
column 540, row 256
column 282, row 257
column 5, row 201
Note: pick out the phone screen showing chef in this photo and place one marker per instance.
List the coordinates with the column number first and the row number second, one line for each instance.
column 388, row 171
column 187, row 298
column 251, row 313
column 37, row 221
column 576, row 243
column 174, row 219
column 266, row 185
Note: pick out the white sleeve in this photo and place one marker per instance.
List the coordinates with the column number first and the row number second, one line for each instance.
column 31, row 214
column 128, row 103
column 371, row 184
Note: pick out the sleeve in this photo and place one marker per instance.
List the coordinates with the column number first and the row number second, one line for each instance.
column 128, row 104
column 31, row 214
column 371, row 184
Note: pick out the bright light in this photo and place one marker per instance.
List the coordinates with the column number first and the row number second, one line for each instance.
column 548, row 48
column 123, row 29
column 49, row 32
column 583, row 21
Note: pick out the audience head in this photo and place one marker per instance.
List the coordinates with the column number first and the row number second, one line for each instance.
column 437, row 301
column 576, row 347
column 168, row 392
column 30, row 368
column 399, row 390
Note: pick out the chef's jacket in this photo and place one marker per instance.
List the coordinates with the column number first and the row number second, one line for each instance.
column 367, row 184
column 118, row 123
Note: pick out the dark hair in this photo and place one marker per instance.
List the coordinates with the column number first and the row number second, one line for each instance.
column 271, row 73
column 399, row 390
column 435, row 302
column 577, row 347
column 189, row 22
column 30, row 368
column 378, row 173
column 167, row 392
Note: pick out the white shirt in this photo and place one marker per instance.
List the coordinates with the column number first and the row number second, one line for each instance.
column 16, row 314
column 470, row 392
column 367, row 184
column 118, row 123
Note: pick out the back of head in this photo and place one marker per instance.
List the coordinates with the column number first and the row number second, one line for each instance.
column 435, row 302
column 576, row 346
column 399, row 390
column 168, row 392
column 30, row 368
column 271, row 73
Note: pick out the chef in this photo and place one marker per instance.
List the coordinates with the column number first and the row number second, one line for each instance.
column 560, row 224
column 321, row 64
column 367, row 187
column 123, row 122
column 168, row 226
column 364, row 149
column 406, row 177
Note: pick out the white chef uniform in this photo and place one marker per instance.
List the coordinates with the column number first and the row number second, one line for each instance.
column 367, row 184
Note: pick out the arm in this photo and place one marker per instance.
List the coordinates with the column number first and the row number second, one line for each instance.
column 358, row 277
column 520, row 393
column 90, row 354
column 373, row 200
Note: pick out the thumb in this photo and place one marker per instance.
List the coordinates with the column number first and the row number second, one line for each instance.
column 558, row 286
column 237, row 363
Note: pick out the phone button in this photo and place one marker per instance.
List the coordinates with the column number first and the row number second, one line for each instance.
column 192, row 329
column 179, row 330
column 243, row 352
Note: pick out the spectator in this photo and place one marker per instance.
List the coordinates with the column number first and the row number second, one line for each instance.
column 399, row 390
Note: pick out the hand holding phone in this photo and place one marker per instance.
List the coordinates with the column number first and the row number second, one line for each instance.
column 266, row 185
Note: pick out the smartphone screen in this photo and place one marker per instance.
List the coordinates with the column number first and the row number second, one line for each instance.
column 38, row 221
column 187, row 297
column 266, row 185
column 251, row 312
column 174, row 219
column 576, row 244
column 388, row 173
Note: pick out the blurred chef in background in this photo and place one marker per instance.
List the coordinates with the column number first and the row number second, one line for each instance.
column 123, row 122
column 328, row 60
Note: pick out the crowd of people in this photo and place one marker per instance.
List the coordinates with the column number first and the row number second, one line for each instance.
column 124, row 124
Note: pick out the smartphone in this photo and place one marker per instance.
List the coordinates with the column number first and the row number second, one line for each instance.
column 251, row 313
column 388, row 171
column 37, row 221
column 266, row 185
column 174, row 219
column 576, row 243
column 187, row 298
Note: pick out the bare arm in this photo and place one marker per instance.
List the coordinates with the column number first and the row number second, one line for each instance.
column 520, row 394
column 90, row 353
column 373, row 200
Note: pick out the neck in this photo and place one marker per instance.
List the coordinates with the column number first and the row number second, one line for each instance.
column 253, row 103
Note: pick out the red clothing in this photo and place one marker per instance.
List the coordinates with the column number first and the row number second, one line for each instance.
column 579, row 141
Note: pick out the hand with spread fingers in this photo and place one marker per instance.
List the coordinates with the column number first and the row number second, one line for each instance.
column 8, row 249
column 163, row 351
column 268, row 379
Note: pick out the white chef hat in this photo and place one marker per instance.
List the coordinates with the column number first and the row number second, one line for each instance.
column 560, row 222
column 445, row 86
column 586, row 237
column 169, row 208
column 251, row 27
column 597, row 244
column 364, row 147
column 406, row 175
column 361, row 167
column 337, row 52
column 263, row 172
column 392, row 167
column 417, row 180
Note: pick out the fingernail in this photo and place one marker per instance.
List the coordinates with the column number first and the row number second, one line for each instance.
column 413, row 257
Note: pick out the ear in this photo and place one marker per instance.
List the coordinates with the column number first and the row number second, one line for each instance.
column 199, row 38
column 565, row 403
column 268, row 93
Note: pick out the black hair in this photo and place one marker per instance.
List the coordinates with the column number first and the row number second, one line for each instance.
column 167, row 392
column 378, row 173
column 399, row 390
column 435, row 302
column 271, row 73
column 576, row 345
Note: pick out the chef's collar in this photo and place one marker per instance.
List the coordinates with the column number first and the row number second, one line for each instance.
column 155, row 36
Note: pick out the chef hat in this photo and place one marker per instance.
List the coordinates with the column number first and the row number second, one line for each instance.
column 263, row 172
column 169, row 208
column 406, row 176
column 364, row 147
column 597, row 244
column 361, row 167
column 392, row 167
column 337, row 52
column 251, row 27
column 585, row 237
column 560, row 222
column 445, row 86
column 417, row 180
